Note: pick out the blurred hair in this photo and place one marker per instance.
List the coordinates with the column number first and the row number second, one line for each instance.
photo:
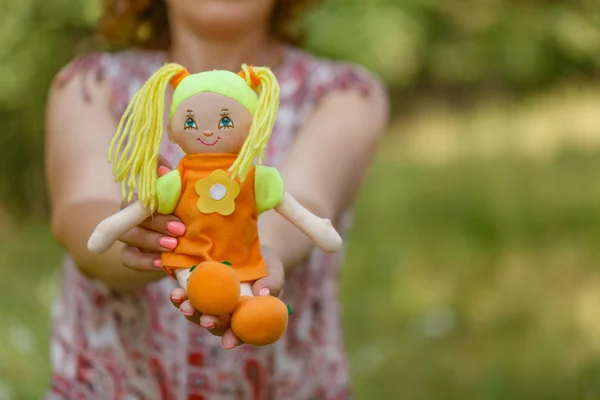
column 144, row 23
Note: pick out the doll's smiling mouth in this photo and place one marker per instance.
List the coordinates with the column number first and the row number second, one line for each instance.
column 209, row 144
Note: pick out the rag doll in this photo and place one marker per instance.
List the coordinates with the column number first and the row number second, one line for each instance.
column 222, row 121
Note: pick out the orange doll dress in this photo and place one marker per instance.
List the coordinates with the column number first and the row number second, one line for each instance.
column 220, row 214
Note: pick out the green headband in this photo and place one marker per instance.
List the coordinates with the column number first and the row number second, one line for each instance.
column 225, row 83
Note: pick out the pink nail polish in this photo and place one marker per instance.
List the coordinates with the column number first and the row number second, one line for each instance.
column 162, row 170
column 209, row 326
column 188, row 314
column 176, row 228
column 264, row 292
column 175, row 300
column 168, row 242
column 157, row 263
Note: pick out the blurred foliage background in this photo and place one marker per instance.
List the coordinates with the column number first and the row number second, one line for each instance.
column 472, row 271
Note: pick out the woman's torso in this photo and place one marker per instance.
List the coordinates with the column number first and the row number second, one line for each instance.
column 107, row 345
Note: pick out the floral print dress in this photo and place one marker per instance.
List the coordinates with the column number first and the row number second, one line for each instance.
column 110, row 345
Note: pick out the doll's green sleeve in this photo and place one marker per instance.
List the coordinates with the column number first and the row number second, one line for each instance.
column 168, row 191
column 268, row 188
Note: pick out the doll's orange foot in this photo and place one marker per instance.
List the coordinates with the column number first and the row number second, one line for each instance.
column 260, row 321
column 213, row 288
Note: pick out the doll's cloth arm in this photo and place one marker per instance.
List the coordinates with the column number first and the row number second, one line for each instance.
column 320, row 230
column 108, row 232
column 270, row 194
column 168, row 191
column 268, row 188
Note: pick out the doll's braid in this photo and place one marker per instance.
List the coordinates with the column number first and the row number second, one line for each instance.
column 263, row 81
column 135, row 147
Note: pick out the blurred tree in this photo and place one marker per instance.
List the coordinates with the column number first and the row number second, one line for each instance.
column 465, row 44
column 36, row 39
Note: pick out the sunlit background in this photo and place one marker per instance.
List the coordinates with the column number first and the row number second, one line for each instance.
column 473, row 266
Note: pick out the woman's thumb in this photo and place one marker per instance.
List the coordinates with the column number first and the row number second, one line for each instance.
column 163, row 166
column 269, row 285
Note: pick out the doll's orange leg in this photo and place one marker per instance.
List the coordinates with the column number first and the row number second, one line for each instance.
column 259, row 321
column 213, row 288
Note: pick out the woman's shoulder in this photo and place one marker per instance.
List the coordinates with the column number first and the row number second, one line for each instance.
column 123, row 65
column 318, row 75
column 122, row 72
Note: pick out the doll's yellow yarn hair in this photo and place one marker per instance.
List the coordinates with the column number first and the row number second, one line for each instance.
column 135, row 147
column 264, row 82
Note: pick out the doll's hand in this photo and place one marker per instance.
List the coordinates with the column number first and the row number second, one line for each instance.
column 155, row 235
column 220, row 325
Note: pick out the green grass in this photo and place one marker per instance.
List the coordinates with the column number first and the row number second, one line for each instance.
column 29, row 273
column 476, row 280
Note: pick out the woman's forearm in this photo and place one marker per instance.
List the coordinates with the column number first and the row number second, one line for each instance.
column 72, row 229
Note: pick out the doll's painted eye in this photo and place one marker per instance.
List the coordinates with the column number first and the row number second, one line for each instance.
column 225, row 122
column 190, row 124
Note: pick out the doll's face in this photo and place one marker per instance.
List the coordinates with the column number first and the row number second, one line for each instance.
column 210, row 123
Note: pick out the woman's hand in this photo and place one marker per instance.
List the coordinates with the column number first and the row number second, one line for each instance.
column 155, row 235
column 220, row 325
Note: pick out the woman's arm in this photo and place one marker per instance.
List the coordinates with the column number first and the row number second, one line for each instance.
column 81, row 186
column 326, row 165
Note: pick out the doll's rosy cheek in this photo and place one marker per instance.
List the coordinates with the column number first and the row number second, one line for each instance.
column 237, row 137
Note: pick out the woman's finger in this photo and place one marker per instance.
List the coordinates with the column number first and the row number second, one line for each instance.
column 134, row 259
column 162, row 170
column 167, row 224
column 149, row 241
column 189, row 313
column 217, row 325
column 162, row 162
column 178, row 296
column 229, row 340
column 273, row 283
column 163, row 166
